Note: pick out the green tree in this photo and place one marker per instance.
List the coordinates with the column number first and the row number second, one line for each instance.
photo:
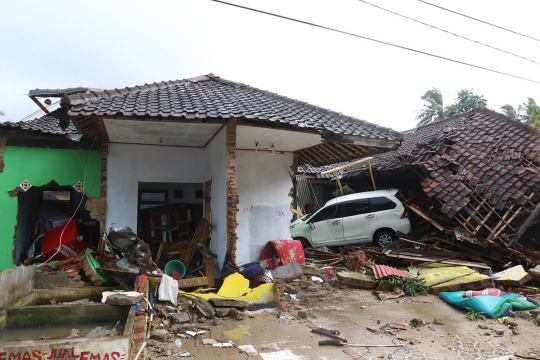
column 509, row 111
column 432, row 109
column 466, row 100
column 529, row 112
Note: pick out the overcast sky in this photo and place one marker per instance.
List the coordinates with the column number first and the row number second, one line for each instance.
column 110, row 44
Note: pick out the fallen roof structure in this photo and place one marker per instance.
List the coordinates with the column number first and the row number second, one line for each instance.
column 480, row 169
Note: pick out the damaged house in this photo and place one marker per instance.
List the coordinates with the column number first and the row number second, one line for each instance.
column 166, row 155
column 45, row 178
column 473, row 178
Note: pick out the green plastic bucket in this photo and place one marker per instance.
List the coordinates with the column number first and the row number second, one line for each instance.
column 175, row 269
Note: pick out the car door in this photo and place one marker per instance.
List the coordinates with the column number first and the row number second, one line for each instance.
column 359, row 221
column 326, row 228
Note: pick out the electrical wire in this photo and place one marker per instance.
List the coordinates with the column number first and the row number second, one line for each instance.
column 375, row 40
column 449, row 32
column 482, row 21
column 78, row 207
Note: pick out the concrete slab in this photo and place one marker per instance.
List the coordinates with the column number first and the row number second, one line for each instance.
column 514, row 276
column 287, row 271
column 453, row 278
column 356, row 279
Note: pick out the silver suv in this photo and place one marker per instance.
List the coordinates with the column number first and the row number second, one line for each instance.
column 356, row 218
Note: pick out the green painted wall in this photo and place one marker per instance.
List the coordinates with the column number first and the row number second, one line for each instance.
column 40, row 166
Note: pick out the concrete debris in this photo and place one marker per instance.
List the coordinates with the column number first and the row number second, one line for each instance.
column 229, row 303
column 222, row 312
column 287, row 271
column 121, row 298
column 180, row 317
column 438, row 321
column 236, row 314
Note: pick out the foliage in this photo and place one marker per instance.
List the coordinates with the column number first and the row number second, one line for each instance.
column 473, row 315
column 529, row 112
column 466, row 100
column 509, row 110
column 432, row 109
column 410, row 286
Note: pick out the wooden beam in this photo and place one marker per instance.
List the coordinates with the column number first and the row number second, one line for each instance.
column 315, row 156
column 40, row 105
column 371, row 174
column 297, row 212
column 347, row 166
column 321, row 148
column 525, row 225
column 336, row 174
column 428, row 219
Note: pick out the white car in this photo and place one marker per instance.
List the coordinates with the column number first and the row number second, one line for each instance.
column 352, row 219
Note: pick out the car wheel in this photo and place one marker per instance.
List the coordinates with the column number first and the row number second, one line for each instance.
column 305, row 243
column 384, row 238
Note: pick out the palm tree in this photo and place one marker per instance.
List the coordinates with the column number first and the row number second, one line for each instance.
column 466, row 100
column 432, row 110
column 531, row 111
column 509, row 111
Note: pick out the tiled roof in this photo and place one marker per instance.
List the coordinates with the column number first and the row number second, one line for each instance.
column 209, row 96
column 480, row 151
column 483, row 153
column 46, row 124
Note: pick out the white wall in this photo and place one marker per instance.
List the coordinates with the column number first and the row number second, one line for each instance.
column 128, row 165
column 264, row 210
column 216, row 169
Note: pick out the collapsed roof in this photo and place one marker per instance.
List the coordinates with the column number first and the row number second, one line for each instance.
column 46, row 124
column 481, row 167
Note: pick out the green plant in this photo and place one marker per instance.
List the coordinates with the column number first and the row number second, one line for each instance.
column 473, row 315
column 410, row 286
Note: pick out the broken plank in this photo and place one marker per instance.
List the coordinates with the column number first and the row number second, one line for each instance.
column 428, row 219
column 198, row 281
column 442, row 261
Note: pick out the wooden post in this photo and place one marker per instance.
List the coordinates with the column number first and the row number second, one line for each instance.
column 336, row 174
column 371, row 174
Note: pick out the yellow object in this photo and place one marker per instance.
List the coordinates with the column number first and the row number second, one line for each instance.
column 459, row 278
column 236, row 287
column 514, row 276
column 362, row 307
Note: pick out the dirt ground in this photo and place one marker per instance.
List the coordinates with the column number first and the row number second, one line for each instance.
column 280, row 336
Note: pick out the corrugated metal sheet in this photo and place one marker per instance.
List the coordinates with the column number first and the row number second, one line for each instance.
column 302, row 190
column 381, row 271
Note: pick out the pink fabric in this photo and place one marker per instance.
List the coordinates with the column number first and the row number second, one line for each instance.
column 488, row 291
column 288, row 251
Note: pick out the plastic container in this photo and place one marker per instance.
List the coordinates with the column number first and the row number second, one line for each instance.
column 178, row 343
column 175, row 269
column 249, row 271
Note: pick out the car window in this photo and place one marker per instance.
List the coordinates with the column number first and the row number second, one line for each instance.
column 356, row 207
column 329, row 212
column 382, row 203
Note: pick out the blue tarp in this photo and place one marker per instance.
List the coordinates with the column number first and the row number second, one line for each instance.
column 489, row 305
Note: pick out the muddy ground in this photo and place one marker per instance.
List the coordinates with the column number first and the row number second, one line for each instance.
column 280, row 336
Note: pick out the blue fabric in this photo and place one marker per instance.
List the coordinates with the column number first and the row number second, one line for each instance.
column 489, row 305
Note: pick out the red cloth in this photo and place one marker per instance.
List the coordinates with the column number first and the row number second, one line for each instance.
column 288, row 251
column 488, row 291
